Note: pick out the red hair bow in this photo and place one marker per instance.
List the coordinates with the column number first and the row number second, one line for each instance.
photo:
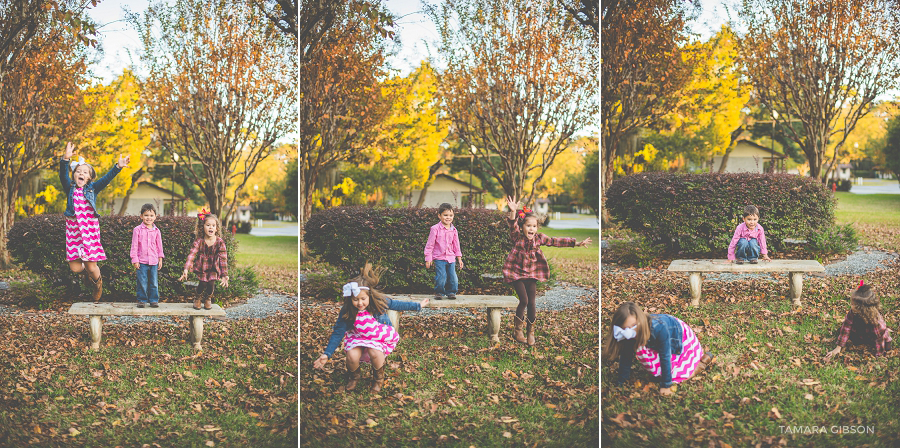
column 860, row 284
column 523, row 212
column 202, row 215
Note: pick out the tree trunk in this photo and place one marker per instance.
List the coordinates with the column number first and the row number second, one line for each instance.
column 134, row 180
column 431, row 170
column 302, row 213
column 7, row 217
column 734, row 135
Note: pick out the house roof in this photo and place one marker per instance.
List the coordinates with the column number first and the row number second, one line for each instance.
column 465, row 184
column 164, row 190
column 776, row 154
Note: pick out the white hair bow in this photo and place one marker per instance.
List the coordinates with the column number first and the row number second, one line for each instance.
column 74, row 164
column 623, row 333
column 352, row 289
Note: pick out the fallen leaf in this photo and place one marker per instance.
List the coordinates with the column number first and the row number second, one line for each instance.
column 507, row 434
column 808, row 396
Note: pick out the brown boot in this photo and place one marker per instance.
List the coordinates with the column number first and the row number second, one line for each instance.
column 196, row 302
column 208, row 304
column 378, row 376
column 98, row 287
column 352, row 379
column 530, row 330
column 520, row 324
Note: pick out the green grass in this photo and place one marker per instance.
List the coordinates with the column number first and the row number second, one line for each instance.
column 146, row 385
column 273, row 251
column 577, row 265
column 274, row 258
column 448, row 384
column 879, row 209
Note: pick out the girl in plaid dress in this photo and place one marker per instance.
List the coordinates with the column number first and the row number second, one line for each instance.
column 363, row 320
column 211, row 259
column 526, row 265
column 864, row 324
column 83, row 248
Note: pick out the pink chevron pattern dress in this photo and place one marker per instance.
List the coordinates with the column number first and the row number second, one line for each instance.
column 683, row 364
column 368, row 332
column 83, row 232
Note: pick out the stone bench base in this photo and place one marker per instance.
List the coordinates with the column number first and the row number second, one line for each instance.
column 96, row 311
column 493, row 304
column 794, row 268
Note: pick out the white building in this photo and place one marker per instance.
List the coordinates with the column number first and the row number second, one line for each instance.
column 447, row 189
column 750, row 157
column 147, row 192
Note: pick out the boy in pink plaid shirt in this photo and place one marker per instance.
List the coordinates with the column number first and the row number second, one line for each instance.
column 442, row 249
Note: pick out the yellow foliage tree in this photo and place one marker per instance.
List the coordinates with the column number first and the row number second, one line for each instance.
column 117, row 128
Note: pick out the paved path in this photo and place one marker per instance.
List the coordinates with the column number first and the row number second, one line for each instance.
column 892, row 188
column 276, row 228
column 574, row 221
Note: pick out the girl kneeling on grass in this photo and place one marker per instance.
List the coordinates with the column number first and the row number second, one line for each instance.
column 363, row 319
column 663, row 344
column 864, row 323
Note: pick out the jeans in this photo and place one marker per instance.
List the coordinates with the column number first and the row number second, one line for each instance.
column 445, row 280
column 147, row 286
column 746, row 249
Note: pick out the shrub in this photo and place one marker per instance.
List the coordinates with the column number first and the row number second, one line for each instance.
column 843, row 185
column 697, row 213
column 38, row 244
column 635, row 252
column 244, row 227
column 346, row 237
column 833, row 239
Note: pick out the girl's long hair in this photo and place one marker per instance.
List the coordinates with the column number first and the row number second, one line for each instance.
column 611, row 346
column 198, row 229
column 866, row 304
column 368, row 276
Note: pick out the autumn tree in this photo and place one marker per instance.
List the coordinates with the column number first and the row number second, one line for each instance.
column 219, row 91
column 408, row 141
column 44, row 105
column 644, row 70
column 519, row 82
column 342, row 102
column 891, row 146
column 281, row 13
column 117, row 127
column 320, row 17
column 821, row 64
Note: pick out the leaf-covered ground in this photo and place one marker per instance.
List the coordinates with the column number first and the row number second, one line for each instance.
column 146, row 385
column 448, row 385
column 769, row 385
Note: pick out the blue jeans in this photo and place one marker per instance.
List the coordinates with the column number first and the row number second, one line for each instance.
column 445, row 281
column 746, row 249
column 147, row 286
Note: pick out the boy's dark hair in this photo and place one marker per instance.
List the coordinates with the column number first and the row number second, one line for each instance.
column 750, row 210
column 444, row 207
column 148, row 206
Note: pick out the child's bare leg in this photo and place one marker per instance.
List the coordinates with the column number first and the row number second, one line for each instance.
column 377, row 357
column 76, row 266
column 353, row 358
column 93, row 269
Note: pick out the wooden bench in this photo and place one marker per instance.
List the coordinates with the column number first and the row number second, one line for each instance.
column 493, row 304
column 96, row 310
column 795, row 269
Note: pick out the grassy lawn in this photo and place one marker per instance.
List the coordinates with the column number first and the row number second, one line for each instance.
column 446, row 384
column 769, row 378
column 574, row 264
column 875, row 216
column 273, row 257
column 145, row 385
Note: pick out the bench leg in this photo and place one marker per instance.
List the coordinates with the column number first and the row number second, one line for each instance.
column 96, row 331
column 394, row 316
column 197, row 331
column 493, row 317
column 796, row 282
column 695, row 281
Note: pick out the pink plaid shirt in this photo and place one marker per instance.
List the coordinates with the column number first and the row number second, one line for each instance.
column 443, row 244
column 862, row 332
column 212, row 262
column 146, row 245
column 743, row 232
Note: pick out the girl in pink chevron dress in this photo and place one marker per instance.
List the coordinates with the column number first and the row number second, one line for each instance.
column 83, row 247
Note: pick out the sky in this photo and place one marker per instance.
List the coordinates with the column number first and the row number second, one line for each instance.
column 116, row 36
column 417, row 34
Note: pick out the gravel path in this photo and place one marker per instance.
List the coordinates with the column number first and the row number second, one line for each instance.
column 560, row 297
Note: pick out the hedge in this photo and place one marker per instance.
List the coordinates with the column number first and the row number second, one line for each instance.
column 347, row 237
column 697, row 213
column 38, row 244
